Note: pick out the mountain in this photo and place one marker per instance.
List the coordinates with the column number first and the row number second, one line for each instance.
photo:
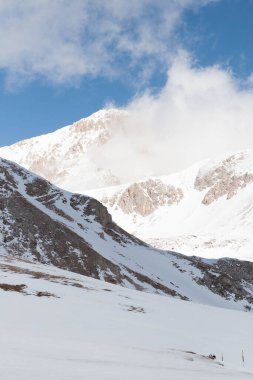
column 42, row 223
column 61, row 156
column 60, row 325
column 205, row 210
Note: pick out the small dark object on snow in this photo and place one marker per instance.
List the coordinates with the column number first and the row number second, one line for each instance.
column 212, row 357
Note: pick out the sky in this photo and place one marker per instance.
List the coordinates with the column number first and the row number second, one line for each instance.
column 62, row 60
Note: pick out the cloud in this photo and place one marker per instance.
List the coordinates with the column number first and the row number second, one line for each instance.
column 63, row 40
column 200, row 113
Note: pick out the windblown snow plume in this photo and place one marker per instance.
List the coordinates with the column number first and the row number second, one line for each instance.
column 200, row 113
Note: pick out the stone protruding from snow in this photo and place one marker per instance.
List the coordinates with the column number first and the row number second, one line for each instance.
column 222, row 180
column 145, row 197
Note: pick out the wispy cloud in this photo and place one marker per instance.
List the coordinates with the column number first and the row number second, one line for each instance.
column 200, row 113
column 63, row 40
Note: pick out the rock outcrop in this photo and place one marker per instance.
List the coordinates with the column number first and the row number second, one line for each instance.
column 222, row 180
column 145, row 197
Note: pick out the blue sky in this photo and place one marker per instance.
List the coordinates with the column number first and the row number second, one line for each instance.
column 63, row 60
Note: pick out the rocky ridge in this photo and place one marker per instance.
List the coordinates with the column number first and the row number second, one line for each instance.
column 42, row 223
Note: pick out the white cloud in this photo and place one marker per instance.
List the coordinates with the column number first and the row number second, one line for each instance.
column 63, row 40
column 200, row 113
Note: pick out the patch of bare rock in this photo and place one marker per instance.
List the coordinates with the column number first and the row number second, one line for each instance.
column 223, row 180
column 145, row 197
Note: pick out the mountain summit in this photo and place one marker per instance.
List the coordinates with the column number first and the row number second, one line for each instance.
column 62, row 157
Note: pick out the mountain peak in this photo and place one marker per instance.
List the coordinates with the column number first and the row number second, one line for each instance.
column 61, row 156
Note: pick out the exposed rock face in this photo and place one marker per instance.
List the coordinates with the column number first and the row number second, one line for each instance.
column 28, row 232
column 222, row 180
column 145, row 197
column 227, row 276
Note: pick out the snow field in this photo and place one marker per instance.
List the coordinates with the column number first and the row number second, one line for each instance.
column 103, row 331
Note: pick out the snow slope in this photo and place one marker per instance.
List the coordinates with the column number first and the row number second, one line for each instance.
column 67, row 326
column 212, row 220
column 205, row 210
column 41, row 222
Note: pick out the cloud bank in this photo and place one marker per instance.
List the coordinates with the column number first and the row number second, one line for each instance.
column 200, row 113
column 64, row 40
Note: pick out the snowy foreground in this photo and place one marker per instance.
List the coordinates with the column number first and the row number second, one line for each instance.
column 57, row 325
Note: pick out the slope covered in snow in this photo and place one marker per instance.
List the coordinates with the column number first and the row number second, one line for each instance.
column 205, row 210
column 59, row 331
column 62, row 156
column 41, row 222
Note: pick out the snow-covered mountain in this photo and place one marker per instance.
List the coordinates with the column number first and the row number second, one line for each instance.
column 63, row 158
column 40, row 222
column 60, row 325
column 205, row 210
